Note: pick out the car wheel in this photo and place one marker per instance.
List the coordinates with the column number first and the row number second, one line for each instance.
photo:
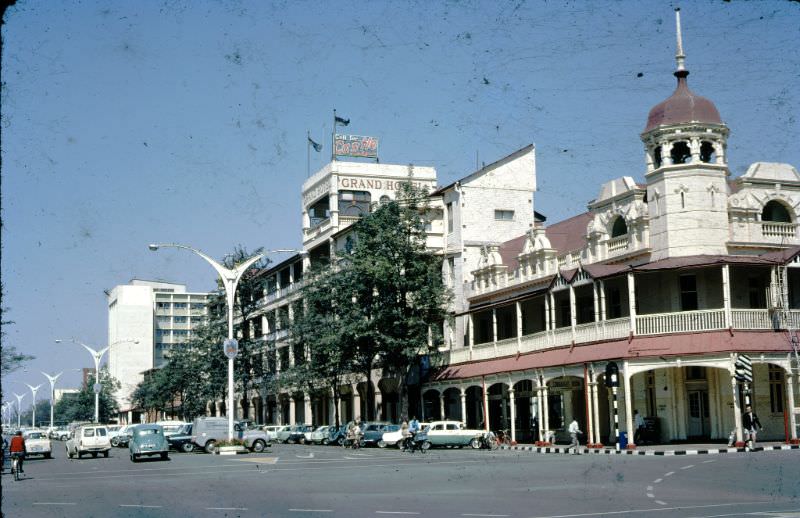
column 115, row 442
column 325, row 442
column 302, row 440
column 133, row 457
column 475, row 443
column 94, row 454
column 362, row 443
column 69, row 454
column 340, row 441
column 79, row 454
column 164, row 456
column 187, row 447
column 258, row 446
column 381, row 444
column 211, row 446
column 426, row 445
column 48, row 455
column 105, row 454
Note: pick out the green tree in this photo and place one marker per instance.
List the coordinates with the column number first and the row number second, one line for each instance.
column 80, row 406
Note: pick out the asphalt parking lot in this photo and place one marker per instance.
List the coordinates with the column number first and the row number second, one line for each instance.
column 307, row 481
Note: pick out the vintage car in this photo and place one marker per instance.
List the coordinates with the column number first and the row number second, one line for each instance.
column 272, row 431
column 91, row 439
column 392, row 436
column 318, row 436
column 171, row 427
column 182, row 439
column 373, row 432
column 148, row 440
column 452, row 433
column 37, row 443
column 123, row 435
column 336, row 434
column 206, row 431
column 298, row 434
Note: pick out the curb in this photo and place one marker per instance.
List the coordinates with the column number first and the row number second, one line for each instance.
column 651, row 453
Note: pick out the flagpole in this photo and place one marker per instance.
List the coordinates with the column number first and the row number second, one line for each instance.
column 308, row 154
column 333, row 137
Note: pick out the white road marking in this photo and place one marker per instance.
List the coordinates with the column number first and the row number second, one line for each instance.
column 226, row 508
column 669, row 474
column 659, row 502
column 650, row 495
column 143, row 506
column 487, row 515
column 649, row 488
column 309, row 456
column 311, row 510
column 396, row 512
column 55, row 503
column 655, row 509
column 709, row 461
column 688, row 467
column 657, row 481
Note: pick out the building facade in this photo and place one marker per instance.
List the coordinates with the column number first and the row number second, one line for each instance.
column 146, row 320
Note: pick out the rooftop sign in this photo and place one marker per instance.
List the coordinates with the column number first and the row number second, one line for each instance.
column 355, row 145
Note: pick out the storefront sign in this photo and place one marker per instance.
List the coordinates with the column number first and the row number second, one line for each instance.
column 363, row 184
column 355, row 145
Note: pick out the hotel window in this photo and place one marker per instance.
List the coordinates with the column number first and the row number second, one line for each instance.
column 180, row 320
column 180, row 305
column 775, row 389
column 688, row 285
column 163, row 305
column 450, row 217
column 354, row 203
column 504, row 215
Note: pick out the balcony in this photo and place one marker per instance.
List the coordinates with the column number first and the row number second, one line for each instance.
column 772, row 230
column 618, row 245
column 618, row 328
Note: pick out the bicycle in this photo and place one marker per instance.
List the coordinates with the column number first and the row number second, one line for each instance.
column 15, row 466
column 488, row 441
column 504, row 437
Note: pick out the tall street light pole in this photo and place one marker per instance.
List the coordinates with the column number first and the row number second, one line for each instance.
column 34, row 390
column 230, row 279
column 19, row 408
column 52, row 380
column 97, row 356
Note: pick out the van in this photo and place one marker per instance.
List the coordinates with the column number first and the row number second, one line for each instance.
column 91, row 439
column 207, row 431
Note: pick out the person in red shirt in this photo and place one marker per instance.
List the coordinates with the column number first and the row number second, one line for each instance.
column 17, row 447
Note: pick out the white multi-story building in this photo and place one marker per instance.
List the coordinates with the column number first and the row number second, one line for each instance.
column 147, row 319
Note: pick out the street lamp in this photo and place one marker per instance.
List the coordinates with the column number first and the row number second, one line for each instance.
column 52, row 380
column 19, row 408
column 230, row 278
column 34, row 390
column 97, row 356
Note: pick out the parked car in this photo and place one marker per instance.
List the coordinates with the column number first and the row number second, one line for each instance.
column 298, row 434
column 171, row 427
column 318, row 436
column 283, row 433
column 452, row 433
column 59, row 433
column 373, row 432
column 37, row 443
column 182, row 440
column 122, row 436
column 272, row 431
column 148, row 440
column 88, row 439
column 206, row 431
column 336, row 435
column 113, row 431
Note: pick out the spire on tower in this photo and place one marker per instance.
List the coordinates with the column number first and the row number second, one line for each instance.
column 680, row 57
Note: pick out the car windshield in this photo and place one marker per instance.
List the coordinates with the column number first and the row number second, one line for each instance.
column 147, row 431
column 88, row 432
column 35, row 435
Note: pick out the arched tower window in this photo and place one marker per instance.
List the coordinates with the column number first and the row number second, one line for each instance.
column 777, row 212
column 707, row 152
column 680, row 152
column 657, row 160
column 354, row 203
column 619, row 228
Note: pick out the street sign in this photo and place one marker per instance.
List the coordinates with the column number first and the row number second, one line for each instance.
column 231, row 347
column 744, row 368
column 612, row 375
column 97, row 388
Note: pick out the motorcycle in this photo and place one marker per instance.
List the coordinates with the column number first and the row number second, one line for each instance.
column 416, row 441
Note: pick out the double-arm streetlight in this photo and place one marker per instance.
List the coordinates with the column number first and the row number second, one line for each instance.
column 97, row 356
column 230, row 278
column 52, row 380
column 34, row 390
column 19, row 408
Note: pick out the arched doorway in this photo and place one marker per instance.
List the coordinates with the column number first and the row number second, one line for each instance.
column 566, row 400
column 431, row 405
column 474, row 405
column 452, row 404
column 527, row 422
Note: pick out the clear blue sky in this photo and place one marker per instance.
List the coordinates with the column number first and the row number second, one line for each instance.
column 125, row 123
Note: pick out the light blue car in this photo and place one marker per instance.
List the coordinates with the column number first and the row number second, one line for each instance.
column 147, row 440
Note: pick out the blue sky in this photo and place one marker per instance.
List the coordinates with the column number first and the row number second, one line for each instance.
column 125, row 123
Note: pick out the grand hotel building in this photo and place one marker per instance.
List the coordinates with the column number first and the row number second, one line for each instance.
column 671, row 277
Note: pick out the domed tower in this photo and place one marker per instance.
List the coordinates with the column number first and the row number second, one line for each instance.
column 687, row 188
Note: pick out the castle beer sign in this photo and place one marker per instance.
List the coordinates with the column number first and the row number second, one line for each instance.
column 355, row 146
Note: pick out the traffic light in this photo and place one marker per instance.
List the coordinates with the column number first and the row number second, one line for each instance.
column 743, row 368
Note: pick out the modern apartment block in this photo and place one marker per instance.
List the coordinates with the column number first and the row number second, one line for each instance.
column 159, row 316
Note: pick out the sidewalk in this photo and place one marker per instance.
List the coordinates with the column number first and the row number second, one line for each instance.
column 657, row 449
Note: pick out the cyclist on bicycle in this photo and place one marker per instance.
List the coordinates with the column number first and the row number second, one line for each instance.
column 17, row 449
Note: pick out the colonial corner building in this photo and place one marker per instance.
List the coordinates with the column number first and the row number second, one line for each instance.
column 672, row 278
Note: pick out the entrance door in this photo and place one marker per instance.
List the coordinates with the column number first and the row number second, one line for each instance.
column 699, row 425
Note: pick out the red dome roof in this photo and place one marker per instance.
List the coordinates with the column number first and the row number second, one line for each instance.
column 681, row 107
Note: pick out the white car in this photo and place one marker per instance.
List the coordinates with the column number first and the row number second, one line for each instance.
column 37, row 443
column 171, row 427
column 452, row 433
column 318, row 436
column 272, row 431
column 393, row 438
column 91, row 439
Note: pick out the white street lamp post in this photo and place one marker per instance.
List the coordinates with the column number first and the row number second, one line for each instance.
column 230, row 278
column 97, row 356
column 19, row 408
column 52, row 380
column 34, row 390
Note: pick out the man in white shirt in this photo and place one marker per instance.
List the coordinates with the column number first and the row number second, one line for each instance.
column 573, row 433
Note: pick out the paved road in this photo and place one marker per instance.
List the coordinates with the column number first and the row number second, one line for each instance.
column 315, row 481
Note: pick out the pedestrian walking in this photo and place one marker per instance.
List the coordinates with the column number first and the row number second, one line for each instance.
column 574, row 430
column 751, row 425
column 640, row 426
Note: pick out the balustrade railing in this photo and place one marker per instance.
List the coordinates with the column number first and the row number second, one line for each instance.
column 773, row 229
column 751, row 319
column 683, row 321
column 618, row 244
